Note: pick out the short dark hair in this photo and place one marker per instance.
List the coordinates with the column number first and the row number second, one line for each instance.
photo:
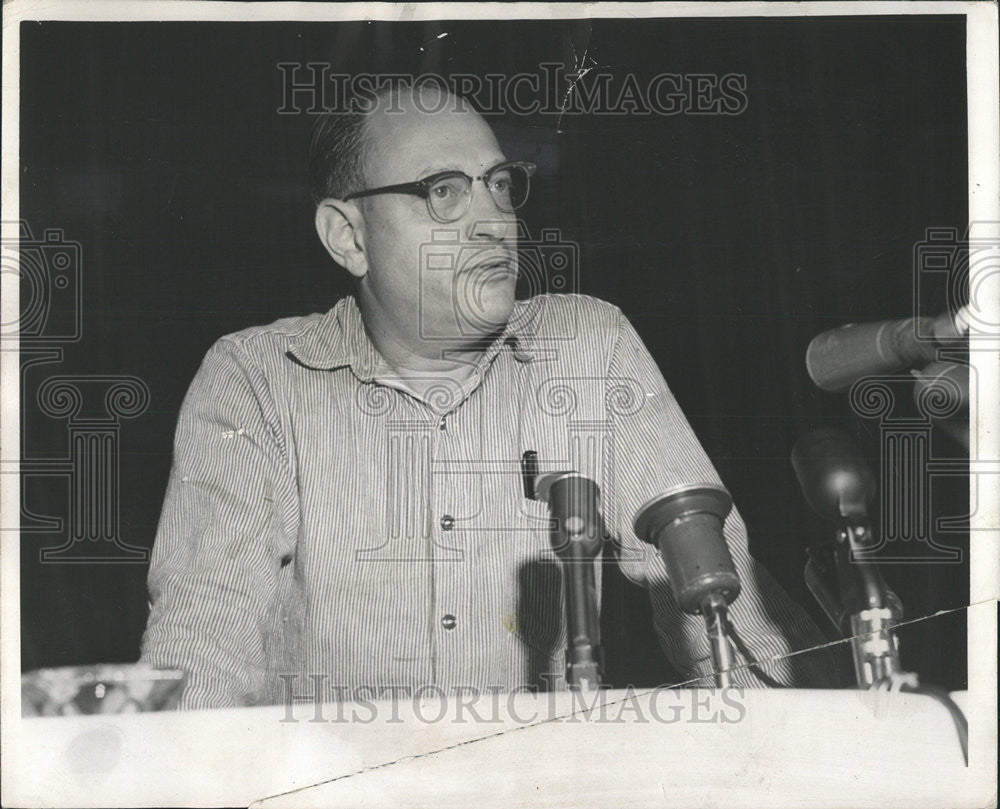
column 337, row 155
column 339, row 145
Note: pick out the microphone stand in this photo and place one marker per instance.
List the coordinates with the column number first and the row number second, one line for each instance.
column 577, row 535
column 839, row 486
column 873, row 643
column 715, row 610
column 873, row 609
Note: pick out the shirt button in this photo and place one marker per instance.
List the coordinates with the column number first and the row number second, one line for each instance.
column 443, row 423
column 447, row 522
column 448, row 621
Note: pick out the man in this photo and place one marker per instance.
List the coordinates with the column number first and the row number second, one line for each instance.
column 346, row 506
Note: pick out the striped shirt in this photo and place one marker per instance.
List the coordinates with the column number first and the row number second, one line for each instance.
column 324, row 525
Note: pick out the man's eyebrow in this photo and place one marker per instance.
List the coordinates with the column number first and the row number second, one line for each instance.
column 431, row 170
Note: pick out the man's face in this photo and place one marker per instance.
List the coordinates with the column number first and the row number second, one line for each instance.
column 429, row 281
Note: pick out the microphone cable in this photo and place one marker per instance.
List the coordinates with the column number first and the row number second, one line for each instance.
column 909, row 684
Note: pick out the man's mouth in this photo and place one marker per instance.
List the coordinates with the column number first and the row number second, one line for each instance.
column 495, row 263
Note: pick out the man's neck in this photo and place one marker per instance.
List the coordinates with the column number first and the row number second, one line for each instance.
column 423, row 365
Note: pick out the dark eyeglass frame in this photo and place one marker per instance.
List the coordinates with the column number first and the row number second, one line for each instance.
column 422, row 188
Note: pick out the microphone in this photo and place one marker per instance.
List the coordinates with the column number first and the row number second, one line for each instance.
column 686, row 524
column 836, row 483
column 577, row 535
column 839, row 486
column 838, row 358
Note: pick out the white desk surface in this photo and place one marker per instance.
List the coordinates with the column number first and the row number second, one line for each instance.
column 683, row 748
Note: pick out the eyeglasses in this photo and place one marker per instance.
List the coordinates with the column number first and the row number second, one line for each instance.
column 449, row 193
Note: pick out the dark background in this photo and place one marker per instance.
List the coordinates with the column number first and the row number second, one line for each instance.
column 729, row 241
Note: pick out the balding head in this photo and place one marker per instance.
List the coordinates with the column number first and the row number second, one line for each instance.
column 341, row 142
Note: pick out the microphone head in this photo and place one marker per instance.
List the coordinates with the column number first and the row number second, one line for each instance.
column 545, row 482
column 575, row 505
column 836, row 482
column 838, row 358
column 686, row 524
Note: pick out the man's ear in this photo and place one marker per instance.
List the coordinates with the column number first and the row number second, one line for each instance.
column 341, row 228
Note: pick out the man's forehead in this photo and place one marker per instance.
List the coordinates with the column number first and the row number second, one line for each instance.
column 408, row 136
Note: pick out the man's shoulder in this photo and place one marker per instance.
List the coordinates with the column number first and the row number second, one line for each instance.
column 280, row 333
column 266, row 349
column 571, row 301
column 568, row 316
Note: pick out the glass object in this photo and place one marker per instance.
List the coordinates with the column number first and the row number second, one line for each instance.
column 102, row 689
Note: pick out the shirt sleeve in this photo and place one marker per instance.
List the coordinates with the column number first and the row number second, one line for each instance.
column 656, row 449
column 224, row 530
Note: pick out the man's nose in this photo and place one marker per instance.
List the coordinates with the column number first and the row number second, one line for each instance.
column 498, row 228
column 487, row 221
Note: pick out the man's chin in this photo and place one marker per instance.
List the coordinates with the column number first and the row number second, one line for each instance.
column 485, row 308
column 478, row 323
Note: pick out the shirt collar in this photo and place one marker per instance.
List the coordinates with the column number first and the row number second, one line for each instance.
column 339, row 340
